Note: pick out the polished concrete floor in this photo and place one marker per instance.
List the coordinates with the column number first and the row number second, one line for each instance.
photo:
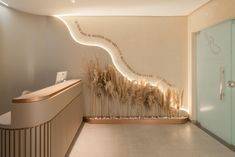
column 185, row 140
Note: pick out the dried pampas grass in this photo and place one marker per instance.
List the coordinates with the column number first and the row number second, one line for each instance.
column 107, row 82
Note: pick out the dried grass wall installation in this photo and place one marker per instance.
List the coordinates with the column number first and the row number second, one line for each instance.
column 114, row 96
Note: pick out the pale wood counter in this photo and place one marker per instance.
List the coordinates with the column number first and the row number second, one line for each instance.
column 42, row 123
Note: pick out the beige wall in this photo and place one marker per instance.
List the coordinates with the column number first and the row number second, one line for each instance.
column 210, row 14
column 33, row 48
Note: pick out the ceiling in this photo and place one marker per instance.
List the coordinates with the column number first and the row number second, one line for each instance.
column 108, row 7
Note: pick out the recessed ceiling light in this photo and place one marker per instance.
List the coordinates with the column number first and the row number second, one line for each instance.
column 4, row 3
column 73, row 1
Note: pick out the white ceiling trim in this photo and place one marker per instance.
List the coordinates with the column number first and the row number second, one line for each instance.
column 108, row 7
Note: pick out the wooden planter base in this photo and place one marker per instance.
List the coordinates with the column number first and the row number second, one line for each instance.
column 137, row 120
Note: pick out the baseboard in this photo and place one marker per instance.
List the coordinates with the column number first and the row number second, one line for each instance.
column 124, row 120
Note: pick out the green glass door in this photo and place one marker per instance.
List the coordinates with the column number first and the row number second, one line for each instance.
column 214, row 70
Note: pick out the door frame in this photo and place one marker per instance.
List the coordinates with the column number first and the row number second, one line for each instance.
column 194, row 75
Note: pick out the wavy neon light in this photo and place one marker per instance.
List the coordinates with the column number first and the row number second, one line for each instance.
column 4, row 3
column 91, row 44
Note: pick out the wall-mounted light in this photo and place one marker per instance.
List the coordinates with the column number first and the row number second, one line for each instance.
column 3, row 3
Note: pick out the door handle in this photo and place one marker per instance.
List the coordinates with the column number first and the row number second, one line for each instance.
column 221, row 84
column 231, row 84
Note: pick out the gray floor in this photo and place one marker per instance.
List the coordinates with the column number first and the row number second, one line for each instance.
column 185, row 140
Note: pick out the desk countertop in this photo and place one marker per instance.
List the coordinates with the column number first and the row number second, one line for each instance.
column 45, row 93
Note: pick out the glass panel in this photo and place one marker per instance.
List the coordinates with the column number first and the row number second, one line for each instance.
column 213, row 72
column 233, row 78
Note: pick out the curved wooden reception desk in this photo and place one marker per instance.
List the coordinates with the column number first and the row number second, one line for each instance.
column 42, row 123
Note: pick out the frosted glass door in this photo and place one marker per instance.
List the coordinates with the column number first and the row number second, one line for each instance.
column 214, row 69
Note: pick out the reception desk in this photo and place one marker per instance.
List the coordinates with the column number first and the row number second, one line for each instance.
column 42, row 123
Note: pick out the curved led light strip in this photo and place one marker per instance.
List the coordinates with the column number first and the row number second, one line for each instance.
column 78, row 40
column 4, row 3
column 116, row 47
column 117, row 58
